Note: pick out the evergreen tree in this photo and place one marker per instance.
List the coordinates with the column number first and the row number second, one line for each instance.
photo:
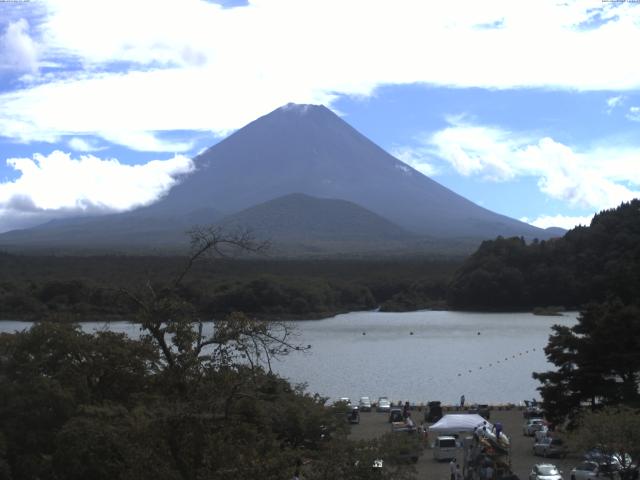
column 597, row 360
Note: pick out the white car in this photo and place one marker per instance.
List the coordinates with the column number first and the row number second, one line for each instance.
column 384, row 405
column 445, row 448
column 364, row 404
column 532, row 426
column 542, row 433
column 594, row 471
column 545, row 471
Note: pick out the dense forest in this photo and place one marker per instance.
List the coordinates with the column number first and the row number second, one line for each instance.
column 79, row 288
column 587, row 264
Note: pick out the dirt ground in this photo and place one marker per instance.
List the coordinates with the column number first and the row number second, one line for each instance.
column 522, row 459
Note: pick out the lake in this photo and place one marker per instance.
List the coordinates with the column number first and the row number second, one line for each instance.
column 488, row 357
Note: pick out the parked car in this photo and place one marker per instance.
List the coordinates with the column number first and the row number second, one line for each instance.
column 384, row 405
column 545, row 471
column 597, row 455
column 531, row 426
column 364, row 404
column 433, row 413
column 480, row 409
column 542, row 433
column 395, row 415
column 403, row 427
column 532, row 409
column 408, row 447
column 550, row 447
column 353, row 416
column 445, row 448
column 622, row 462
column 594, row 454
column 532, row 412
column 484, row 411
column 594, row 471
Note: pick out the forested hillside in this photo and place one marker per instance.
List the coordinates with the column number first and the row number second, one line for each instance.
column 72, row 288
column 588, row 264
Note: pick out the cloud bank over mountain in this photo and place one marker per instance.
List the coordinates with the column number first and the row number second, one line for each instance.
column 57, row 185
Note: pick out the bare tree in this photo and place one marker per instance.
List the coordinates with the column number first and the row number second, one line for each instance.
column 174, row 324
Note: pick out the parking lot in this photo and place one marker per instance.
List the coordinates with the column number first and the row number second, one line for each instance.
column 522, row 459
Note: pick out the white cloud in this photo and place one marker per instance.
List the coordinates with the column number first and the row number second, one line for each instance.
column 474, row 150
column 634, row 114
column 145, row 141
column 613, row 102
column 599, row 178
column 58, row 183
column 18, row 51
column 197, row 66
column 82, row 145
column 417, row 158
column 562, row 221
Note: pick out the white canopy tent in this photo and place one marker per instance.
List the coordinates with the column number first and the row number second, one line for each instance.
column 459, row 423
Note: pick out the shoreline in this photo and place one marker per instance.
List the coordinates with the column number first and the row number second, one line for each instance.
column 291, row 317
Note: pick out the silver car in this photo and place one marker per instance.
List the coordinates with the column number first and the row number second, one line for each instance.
column 594, row 471
column 550, row 447
column 545, row 471
column 384, row 405
column 364, row 404
column 532, row 426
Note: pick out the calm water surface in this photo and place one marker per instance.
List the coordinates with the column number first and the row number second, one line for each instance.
column 488, row 357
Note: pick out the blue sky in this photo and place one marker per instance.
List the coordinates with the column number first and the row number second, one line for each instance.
column 531, row 109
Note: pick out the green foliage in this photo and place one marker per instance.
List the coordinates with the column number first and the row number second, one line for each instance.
column 48, row 373
column 65, row 414
column 597, row 360
column 75, row 289
column 614, row 430
column 587, row 264
column 175, row 404
column 270, row 295
column 418, row 295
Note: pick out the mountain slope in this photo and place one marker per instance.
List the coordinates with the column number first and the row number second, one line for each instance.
column 309, row 149
column 303, row 149
column 298, row 217
column 139, row 230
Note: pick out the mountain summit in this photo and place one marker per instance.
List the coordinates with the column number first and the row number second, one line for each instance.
column 308, row 149
column 296, row 149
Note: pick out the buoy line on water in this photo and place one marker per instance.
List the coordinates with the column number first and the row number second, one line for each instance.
column 506, row 359
column 491, row 364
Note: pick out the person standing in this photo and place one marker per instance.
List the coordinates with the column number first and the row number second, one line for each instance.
column 405, row 410
column 408, row 421
column 498, row 429
column 424, row 432
column 453, row 466
column 458, row 472
column 488, row 472
column 462, row 402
